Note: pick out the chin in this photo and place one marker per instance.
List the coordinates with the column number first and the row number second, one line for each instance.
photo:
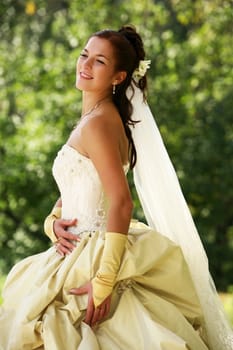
column 79, row 86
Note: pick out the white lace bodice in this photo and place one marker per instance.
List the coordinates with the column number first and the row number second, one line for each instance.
column 81, row 190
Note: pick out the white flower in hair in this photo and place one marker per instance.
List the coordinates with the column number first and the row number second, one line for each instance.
column 141, row 70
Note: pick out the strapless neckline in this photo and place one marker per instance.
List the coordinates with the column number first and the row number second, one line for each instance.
column 66, row 145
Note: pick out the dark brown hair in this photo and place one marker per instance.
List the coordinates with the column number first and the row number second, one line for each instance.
column 129, row 50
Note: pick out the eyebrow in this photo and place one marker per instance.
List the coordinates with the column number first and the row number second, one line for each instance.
column 99, row 55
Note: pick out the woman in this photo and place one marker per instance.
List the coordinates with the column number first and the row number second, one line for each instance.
column 107, row 282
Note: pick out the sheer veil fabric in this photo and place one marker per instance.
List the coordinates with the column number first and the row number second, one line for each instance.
column 167, row 212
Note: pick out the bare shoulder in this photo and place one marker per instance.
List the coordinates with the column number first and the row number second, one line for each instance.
column 106, row 121
column 103, row 136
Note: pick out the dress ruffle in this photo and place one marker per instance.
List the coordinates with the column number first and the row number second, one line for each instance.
column 154, row 305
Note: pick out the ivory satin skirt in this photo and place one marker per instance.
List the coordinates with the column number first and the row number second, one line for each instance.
column 154, row 304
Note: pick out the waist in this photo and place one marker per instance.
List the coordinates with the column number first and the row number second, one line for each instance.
column 81, row 230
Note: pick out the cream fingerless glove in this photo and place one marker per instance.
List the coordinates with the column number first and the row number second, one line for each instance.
column 48, row 223
column 103, row 282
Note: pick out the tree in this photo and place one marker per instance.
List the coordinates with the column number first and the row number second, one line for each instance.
column 189, row 44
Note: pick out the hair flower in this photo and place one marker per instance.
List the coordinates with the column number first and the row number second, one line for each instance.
column 141, row 70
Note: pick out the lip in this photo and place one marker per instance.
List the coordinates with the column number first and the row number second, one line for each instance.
column 85, row 75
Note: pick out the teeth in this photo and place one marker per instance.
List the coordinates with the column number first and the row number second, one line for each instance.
column 85, row 75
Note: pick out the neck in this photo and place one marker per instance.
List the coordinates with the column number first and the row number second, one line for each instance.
column 90, row 100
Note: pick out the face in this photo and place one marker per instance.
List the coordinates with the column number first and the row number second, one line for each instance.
column 95, row 69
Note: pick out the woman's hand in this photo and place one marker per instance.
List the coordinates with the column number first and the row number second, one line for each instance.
column 93, row 315
column 64, row 243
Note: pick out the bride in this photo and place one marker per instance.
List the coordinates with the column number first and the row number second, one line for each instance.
column 108, row 281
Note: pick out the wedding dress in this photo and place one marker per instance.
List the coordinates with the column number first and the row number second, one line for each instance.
column 154, row 304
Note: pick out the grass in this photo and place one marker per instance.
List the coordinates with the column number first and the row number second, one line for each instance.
column 227, row 300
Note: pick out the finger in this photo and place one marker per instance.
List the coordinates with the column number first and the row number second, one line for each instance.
column 58, row 250
column 61, row 233
column 60, row 253
column 102, row 312
column 104, row 309
column 98, row 315
column 95, row 317
column 64, row 250
column 107, row 307
column 66, row 244
column 79, row 291
column 90, row 311
column 60, row 229
column 72, row 222
column 68, row 223
column 61, row 226
column 70, row 236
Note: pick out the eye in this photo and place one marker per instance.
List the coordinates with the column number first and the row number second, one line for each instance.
column 83, row 55
column 102, row 62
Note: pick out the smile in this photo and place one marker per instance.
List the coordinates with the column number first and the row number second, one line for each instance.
column 85, row 75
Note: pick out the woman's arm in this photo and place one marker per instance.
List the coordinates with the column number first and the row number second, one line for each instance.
column 100, row 141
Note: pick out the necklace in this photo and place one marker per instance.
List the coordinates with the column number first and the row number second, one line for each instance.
column 98, row 103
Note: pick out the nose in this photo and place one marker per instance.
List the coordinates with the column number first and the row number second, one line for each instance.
column 88, row 63
column 84, row 65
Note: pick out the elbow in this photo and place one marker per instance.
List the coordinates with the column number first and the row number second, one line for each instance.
column 126, row 207
column 121, row 207
column 120, row 214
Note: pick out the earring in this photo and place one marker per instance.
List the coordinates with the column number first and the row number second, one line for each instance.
column 113, row 89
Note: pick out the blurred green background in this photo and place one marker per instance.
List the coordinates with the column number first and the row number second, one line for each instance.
column 190, row 92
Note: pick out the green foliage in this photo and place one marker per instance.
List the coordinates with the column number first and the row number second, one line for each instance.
column 227, row 300
column 190, row 92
